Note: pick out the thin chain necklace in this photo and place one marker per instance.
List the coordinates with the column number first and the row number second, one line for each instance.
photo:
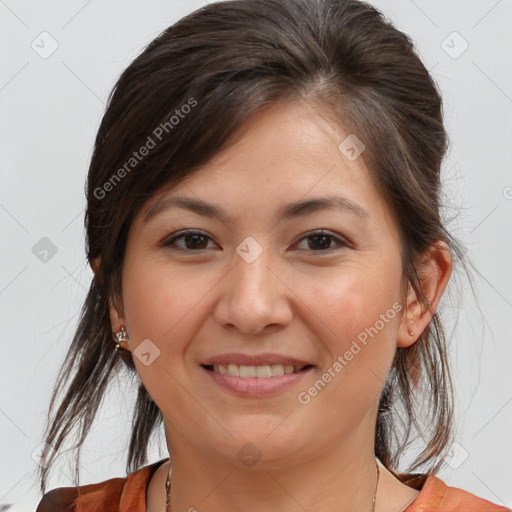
column 168, row 489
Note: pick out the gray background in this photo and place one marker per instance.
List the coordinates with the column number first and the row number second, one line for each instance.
column 50, row 111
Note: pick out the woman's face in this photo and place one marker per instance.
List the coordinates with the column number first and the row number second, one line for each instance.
column 255, row 283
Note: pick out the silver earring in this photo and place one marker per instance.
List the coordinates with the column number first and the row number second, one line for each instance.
column 121, row 337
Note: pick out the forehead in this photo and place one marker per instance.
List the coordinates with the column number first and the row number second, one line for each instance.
column 286, row 155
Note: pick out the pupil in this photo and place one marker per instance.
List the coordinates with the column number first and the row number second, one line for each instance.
column 324, row 238
column 196, row 242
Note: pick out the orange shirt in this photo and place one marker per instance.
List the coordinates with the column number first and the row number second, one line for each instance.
column 129, row 495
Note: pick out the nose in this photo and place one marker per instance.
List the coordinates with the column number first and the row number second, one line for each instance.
column 254, row 297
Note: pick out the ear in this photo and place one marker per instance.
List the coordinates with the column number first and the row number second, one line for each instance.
column 116, row 314
column 115, row 304
column 117, row 317
column 434, row 273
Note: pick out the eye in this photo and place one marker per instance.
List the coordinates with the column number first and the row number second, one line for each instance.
column 320, row 241
column 192, row 240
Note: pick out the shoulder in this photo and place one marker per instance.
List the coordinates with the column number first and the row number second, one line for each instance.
column 61, row 499
column 436, row 495
column 72, row 499
column 114, row 495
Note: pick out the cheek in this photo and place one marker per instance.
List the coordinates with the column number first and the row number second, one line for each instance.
column 155, row 295
column 348, row 302
column 164, row 304
column 160, row 307
column 355, row 316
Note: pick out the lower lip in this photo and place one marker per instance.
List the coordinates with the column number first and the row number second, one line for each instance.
column 254, row 386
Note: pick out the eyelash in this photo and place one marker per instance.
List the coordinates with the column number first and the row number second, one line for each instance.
column 170, row 242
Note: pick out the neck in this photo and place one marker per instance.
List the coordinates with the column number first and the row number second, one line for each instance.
column 338, row 480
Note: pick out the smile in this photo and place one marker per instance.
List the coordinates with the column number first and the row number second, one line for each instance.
column 261, row 372
column 256, row 381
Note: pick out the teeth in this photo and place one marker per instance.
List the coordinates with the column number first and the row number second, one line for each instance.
column 245, row 371
column 277, row 370
column 289, row 369
column 233, row 370
column 261, row 372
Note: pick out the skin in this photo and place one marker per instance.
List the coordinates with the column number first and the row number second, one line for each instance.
column 296, row 298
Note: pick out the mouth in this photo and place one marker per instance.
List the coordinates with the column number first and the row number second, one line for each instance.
column 265, row 371
column 258, row 381
column 256, row 375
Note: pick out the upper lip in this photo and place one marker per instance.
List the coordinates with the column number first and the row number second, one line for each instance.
column 254, row 359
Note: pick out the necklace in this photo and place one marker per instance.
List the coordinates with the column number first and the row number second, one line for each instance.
column 168, row 489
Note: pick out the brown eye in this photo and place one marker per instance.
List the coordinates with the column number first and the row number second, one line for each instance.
column 320, row 241
column 192, row 240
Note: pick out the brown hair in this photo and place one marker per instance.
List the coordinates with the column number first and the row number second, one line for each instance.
column 227, row 61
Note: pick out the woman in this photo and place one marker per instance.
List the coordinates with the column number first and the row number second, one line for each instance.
column 264, row 227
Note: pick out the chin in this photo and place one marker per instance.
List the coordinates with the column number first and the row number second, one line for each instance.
column 263, row 449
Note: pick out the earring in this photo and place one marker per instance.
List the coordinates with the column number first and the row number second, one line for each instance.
column 410, row 332
column 121, row 337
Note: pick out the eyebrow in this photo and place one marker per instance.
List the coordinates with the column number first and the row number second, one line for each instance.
column 296, row 209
